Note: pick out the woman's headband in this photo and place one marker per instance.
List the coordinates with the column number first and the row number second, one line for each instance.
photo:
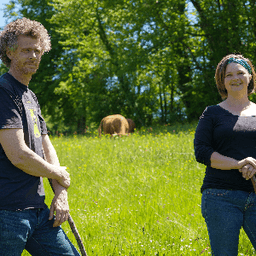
column 241, row 62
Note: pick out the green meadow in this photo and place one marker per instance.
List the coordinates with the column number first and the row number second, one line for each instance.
column 138, row 194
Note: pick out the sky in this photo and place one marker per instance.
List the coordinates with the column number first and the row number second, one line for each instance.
column 2, row 6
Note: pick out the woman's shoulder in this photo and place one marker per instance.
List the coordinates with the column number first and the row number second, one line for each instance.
column 213, row 110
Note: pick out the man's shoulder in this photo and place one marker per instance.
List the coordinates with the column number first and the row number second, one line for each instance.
column 5, row 82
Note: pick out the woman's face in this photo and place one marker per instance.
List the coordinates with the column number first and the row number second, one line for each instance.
column 237, row 79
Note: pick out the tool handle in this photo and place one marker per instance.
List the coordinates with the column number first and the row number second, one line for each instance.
column 74, row 229
column 76, row 234
column 253, row 179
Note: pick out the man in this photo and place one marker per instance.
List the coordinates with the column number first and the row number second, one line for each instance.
column 26, row 153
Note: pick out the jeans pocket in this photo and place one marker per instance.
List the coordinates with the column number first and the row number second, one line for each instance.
column 212, row 195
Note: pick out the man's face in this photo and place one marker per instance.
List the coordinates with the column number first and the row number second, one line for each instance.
column 25, row 59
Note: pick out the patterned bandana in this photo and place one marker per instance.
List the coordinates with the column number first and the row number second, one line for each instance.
column 241, row 62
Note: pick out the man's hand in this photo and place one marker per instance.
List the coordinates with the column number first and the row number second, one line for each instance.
column 60, row 207
column 248, row 171
column 64, row 178
column 59, row 204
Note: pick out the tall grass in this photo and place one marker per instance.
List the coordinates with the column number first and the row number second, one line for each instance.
column 137, row 195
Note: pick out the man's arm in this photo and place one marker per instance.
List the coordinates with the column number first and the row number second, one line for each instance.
column 59, row 203
column 21, row 156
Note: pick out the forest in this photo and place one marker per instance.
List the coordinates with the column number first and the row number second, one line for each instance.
column 150, row 60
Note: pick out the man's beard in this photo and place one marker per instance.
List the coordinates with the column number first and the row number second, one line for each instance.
column 27, row 69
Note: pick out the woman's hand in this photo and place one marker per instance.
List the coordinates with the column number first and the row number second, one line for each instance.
column 245, row 161
column 248, row 171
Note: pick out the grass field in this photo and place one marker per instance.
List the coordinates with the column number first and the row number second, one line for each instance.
column 137, row 195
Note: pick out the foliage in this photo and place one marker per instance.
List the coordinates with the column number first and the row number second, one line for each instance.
column 152, row 61
column 138, row 56
column 46, row 78
column 225, row 27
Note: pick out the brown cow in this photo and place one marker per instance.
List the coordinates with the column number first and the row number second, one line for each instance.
column 114, row 124
column 131, row 125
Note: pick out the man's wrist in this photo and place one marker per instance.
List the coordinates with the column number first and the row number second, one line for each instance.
column 57, row 187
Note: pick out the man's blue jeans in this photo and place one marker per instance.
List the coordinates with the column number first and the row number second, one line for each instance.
column 225, row 212
column 31, row 230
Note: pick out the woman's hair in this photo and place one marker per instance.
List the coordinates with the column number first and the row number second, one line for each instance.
column 25, row 27
column 221, row 70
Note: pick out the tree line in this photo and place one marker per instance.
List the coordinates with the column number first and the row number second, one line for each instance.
column 150, row 60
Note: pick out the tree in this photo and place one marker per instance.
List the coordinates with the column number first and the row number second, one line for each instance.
column 223, row 27
column 124, row 42
column 143, row 59
column 47, row 77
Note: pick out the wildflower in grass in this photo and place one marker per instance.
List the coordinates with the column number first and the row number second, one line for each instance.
column 102, row 171
column 204, row 250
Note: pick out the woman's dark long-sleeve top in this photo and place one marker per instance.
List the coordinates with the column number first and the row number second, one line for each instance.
column 230, row 135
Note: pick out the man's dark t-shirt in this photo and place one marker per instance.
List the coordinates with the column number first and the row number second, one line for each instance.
column 19, row 108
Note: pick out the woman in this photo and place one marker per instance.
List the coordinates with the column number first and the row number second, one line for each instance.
column 225, row 141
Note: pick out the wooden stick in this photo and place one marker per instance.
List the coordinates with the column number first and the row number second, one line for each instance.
column 253, row 179
column 76, row 234
column 74, row 230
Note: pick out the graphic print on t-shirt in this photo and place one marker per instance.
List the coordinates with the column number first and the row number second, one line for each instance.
column 34, row 121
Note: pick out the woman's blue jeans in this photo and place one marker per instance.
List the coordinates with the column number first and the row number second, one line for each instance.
column 225, row 212
column 31, row 230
